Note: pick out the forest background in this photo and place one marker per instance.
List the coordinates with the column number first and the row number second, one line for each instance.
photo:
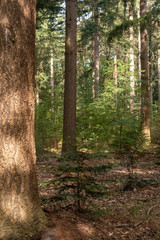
column 111, row 89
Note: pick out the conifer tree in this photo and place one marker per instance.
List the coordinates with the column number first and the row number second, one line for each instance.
column 95, row 52
column 69, row 119
column 145, row 109
column 21, row 216
column 131, row 38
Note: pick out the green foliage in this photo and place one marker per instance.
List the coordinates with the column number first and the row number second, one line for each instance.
column 88, row 30
column 107, row 123
column 49, row 110
column 76, row 179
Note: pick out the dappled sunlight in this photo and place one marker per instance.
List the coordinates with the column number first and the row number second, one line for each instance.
column 68, row 42
column 15, row 208
column 5, row 21
column 137, row 171
column 85, row 229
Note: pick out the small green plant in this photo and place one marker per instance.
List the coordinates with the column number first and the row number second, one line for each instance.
column 76, row 179
column 134, row 210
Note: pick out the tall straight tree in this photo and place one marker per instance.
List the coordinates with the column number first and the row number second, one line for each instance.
column 20, row 213
column 52, row 83
column 131, row 38
column 95, row 53
column 69, row 119
column 159, row 74
column 145, row 104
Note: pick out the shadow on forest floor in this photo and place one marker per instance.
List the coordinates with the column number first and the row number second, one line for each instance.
column 133, row 214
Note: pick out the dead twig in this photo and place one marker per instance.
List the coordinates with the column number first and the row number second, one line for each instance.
column 122, row 225
column 151, row 208
column 139, row 223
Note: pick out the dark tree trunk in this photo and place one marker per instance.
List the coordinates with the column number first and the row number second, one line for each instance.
column 69, row 120
column 145, row 103
column 20, row 212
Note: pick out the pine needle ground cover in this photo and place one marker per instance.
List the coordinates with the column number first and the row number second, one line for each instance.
column 121, row 214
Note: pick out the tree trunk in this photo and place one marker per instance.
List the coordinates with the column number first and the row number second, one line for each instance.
column 139, row 49
column 20, row 213
column 115, row 76
column 131, row 38
column 69, row 120
column 52, row 84
column 96, row 54
column 150, row 75
column 159, row 75
column 145, row 104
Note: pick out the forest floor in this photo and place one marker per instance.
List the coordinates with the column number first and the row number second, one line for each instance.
column 127, row 213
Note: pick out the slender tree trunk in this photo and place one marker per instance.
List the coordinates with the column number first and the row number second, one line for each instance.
column 124, row 8
column 139, row 49
column 115, row 76
column 37, row 93
column 96, row 54
column 159, row 75
column 69, row 120
column 131, row 38
column 20, row 213
column 52, row 84
column 145, row 104
column 150, row 74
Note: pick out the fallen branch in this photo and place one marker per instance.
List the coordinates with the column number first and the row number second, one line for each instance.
column 150, row 209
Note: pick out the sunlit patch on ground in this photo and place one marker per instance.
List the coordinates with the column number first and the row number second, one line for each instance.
column 85, row 229
column 137, row 171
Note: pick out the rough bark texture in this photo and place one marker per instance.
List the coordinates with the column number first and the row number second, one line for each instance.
column 20, row 212
column 69, row 120
column 96, row 54
column 145, row 104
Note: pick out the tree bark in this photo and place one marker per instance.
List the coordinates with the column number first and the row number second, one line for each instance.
column 115, row 76
column 145, row 104
column 96, row 54
column 69, row 119
column 150, row 75
column 20, row 213
column 139, row 49
column 131, row 38
column 52, row 84
column 159, row 75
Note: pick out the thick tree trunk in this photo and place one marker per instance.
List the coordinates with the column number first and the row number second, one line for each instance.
column 96, row 54
column 145, row 104
column 20, row 212
column 131, row 38
column 69, row 120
